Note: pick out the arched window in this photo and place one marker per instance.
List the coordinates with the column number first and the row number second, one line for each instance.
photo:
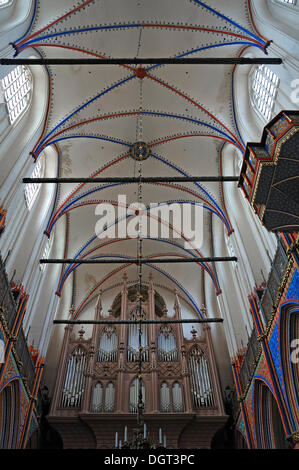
column 177, row 398
column 134, row 392
column 133, row 340
column 17, row 88
column 74, row 379
column 167, row 350
column 201, row 389
column 108, row 345
column 165, row 398
column 264, row 86
column 109, row 398
column 31, row 189
column 97, row 399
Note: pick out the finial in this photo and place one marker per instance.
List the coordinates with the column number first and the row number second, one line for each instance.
column 72, row 310
column 81, row 332
column 194, row 333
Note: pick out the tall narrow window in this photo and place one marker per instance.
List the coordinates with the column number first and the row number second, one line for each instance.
column 109, row 398
column 17, row 86
column 177, row 398
column 74, row 379
column 108, row 345
column 46, row 252
column 201, row 388
column 167, row 351
column 134, row 392
column 164, row 398
column 264, row 90
column 31, row 189
column 97, row 399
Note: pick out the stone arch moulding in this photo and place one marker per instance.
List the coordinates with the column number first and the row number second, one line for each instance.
column 264, row 434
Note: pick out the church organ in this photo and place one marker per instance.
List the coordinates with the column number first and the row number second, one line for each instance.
column 96, row 393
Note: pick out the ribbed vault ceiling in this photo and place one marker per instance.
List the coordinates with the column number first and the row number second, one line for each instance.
column 186, row 114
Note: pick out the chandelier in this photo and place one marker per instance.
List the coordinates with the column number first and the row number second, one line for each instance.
column 140, row 439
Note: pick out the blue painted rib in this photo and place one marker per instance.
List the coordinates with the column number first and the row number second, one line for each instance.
column 234, row 23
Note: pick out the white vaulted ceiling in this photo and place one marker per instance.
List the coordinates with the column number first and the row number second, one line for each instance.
column 170, row 98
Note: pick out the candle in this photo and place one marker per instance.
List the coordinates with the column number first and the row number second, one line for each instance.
column 164, row 444
column 116, row 439
column 144, row 430
column 126, row 434
column 160, row 436
column 120, row 444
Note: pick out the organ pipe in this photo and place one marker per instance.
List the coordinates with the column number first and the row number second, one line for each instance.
column 167, row 349
column 133, row 341
column 74, row 380
column 177, row 398
column 165, row 398
column 201, row 389
column 109, row 398
column 108, row 345
column 134, row 395
column 97, row 398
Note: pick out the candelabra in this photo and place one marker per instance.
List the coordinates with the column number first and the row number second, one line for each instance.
column 140, row 439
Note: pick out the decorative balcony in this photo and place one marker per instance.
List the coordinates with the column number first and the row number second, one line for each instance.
column 270, row 174
column 267, row 298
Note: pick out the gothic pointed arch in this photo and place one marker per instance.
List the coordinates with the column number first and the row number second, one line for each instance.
column 270, row 432
column 9, row 415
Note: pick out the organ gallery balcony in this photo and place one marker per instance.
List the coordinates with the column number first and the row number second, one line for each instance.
column 270, row 174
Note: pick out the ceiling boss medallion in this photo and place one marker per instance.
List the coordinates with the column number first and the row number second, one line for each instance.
column 140, row 151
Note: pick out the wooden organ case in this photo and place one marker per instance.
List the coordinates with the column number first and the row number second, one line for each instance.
column 96, row 388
